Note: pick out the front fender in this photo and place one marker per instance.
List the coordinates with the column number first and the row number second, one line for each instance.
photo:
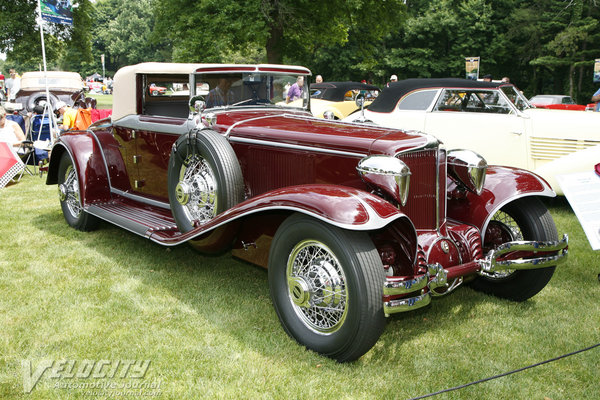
column 342, row 206
column 88, row 162
column 502, row 185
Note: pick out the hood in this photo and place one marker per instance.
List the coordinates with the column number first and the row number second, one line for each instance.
column 302, row 129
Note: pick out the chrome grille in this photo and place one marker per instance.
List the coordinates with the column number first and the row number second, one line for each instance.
column 551, row 149
column 424, row 206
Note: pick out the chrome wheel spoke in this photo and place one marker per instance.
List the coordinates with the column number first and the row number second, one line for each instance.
column 200, row 187
column 318, row 288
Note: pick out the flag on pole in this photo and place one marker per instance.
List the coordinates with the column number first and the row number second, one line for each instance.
column 59, row 11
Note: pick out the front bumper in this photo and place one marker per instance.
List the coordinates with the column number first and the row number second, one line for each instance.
column 403, row 294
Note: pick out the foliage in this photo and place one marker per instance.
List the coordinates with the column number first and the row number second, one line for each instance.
column 208, row 327
column 287, row 30
column 123, row 32
column 544, row 46
column 20, row 37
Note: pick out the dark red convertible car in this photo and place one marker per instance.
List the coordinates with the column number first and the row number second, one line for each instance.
column 354, row 222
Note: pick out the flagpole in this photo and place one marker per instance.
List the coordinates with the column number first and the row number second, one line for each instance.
column 48, row 105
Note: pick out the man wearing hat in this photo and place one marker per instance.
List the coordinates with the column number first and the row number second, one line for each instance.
column 68, row 115
column 393, row 78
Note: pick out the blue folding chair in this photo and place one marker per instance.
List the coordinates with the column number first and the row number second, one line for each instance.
column 39, row 129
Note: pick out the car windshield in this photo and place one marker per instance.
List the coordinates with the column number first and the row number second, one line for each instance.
column 516, row 97
column 250, row 89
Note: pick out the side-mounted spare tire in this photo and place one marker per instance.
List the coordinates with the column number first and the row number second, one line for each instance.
column 38, row 99
column 204, row 180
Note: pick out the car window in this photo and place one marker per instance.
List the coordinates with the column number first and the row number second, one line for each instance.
column 166, row 95
column 477, row 100
column 567, row 100
column 420, row 100
column 516, row 97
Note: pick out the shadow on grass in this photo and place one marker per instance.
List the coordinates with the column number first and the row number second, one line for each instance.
column 233, row 295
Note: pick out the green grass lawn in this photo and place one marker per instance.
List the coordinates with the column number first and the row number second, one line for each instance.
column 209, row 330
column 102, row 100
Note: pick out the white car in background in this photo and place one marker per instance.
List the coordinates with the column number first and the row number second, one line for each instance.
column 492, row 119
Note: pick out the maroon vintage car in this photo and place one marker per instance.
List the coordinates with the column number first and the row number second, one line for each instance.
column 354, row 222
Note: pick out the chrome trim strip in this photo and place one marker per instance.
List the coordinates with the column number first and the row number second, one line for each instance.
column 548, row 192
column 141, row 199
column 103, row 157
column 431, row 143
column 406, row 304
column 228, row 132
column 133, row 122
column 295, row 147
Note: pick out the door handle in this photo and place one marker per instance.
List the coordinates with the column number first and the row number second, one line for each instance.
column 517, row 133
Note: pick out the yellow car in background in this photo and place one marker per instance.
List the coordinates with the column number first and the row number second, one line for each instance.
column 336, row 100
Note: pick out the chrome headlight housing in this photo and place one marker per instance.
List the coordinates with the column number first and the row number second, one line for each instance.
column 468, row 168
column 387, row 173
column 328, row 114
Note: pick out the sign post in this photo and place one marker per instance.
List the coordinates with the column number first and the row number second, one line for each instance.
column 472, row 67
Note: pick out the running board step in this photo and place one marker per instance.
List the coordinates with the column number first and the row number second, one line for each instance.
column 139, row 219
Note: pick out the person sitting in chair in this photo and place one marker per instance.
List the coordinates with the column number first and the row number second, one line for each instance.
column 10, row 131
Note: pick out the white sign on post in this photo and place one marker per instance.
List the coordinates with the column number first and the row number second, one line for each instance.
column 582, row 190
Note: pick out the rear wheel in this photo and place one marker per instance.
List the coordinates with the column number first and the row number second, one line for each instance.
column 68, row 193
column 326, row 285
column 523, row 219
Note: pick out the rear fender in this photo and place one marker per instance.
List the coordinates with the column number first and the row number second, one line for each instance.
column 88, row 162
column 502, row 185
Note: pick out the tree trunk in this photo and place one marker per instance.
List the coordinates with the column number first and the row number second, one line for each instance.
column 275, row 43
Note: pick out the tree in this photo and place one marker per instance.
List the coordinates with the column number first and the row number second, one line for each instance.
column 276, row 30
column 124, row 32
column 20, row 36
column 439, row 35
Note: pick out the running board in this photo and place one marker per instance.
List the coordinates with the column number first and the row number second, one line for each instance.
column 137, row 218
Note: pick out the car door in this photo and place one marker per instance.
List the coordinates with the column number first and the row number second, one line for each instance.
column 480, row 120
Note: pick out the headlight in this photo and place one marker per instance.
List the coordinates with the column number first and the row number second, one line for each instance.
column 468, row 168
column 387, row 173
column 328, row 114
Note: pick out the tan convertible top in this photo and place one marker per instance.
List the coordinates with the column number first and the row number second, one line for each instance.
column 124, row 86
column 56, row 79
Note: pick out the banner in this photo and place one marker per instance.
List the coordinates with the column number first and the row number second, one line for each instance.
column 472, row 67
column 59, row 11
column 597, row 71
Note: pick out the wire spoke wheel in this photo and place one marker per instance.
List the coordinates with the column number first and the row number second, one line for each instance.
column 69, row 196
column 69, row 192
column 502, row 228
column 523, row 219
column 317, row 287
column 197, row 189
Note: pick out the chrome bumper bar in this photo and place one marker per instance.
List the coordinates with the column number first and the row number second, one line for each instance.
column 492, row 264
column 437, row 276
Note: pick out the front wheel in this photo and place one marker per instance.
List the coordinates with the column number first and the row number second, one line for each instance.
column 68, row 192
column 326, row 284
column 522, row 219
